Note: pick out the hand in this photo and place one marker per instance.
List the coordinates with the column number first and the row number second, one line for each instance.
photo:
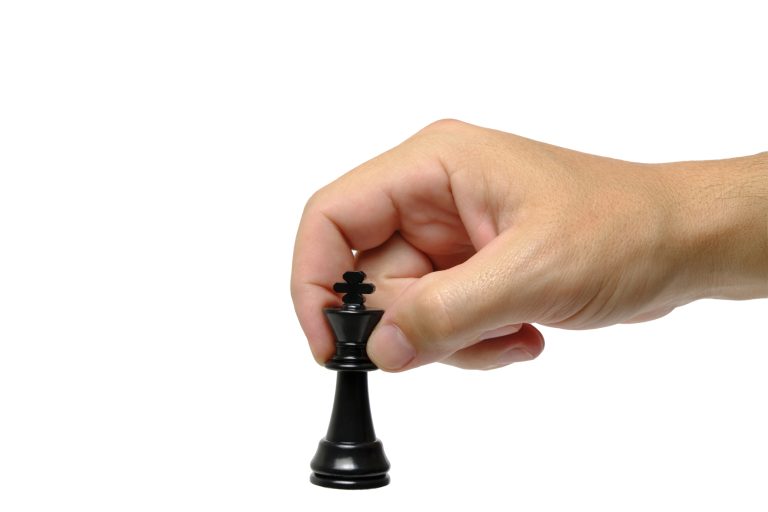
column 472, row 234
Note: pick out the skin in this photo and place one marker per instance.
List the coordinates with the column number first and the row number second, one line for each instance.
column 471, row 235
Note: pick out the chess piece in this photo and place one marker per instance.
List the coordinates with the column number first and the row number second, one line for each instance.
column 350, row 456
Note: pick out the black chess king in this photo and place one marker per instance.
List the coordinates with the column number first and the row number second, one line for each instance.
column 350, row 456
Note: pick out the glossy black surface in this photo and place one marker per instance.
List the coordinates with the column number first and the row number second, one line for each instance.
column 350, row 456
column 352, row 329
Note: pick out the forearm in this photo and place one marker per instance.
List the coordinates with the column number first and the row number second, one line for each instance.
column 720, row 220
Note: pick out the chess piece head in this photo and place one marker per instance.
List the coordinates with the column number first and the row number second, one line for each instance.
column 352, row 324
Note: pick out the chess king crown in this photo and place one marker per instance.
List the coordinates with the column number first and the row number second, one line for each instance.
column 352, row 324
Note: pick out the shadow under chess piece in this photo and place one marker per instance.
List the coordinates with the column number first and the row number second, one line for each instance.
column 350, row 456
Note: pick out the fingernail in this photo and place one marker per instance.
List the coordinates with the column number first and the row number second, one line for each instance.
column 389, row 349
column 513, row 355
column 501, row 331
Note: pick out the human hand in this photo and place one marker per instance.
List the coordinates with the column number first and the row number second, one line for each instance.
column 473, row 234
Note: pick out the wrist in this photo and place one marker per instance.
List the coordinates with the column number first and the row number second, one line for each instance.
column 719, row 225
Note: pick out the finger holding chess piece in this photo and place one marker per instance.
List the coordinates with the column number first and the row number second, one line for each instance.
column 350, row 456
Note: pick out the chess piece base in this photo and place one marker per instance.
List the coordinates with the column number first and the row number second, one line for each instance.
column 350, row 465
column 359, row 483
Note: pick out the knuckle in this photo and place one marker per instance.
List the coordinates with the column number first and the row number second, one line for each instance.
column 447, row 124
column 443, row 126
column 314, row 201
column 433, row 315
column 445, row 140
column 318, row 202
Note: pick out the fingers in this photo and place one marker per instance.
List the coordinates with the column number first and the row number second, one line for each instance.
column 393, row 266
column 447, row 311
column 327, row 233
column 358, row 211
column 523, row 345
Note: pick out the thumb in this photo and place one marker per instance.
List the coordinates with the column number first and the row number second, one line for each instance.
column 446, row 311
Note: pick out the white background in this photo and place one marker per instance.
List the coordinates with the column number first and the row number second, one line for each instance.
column 155, row 157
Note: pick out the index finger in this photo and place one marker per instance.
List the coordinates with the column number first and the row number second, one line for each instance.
column 355, row 212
